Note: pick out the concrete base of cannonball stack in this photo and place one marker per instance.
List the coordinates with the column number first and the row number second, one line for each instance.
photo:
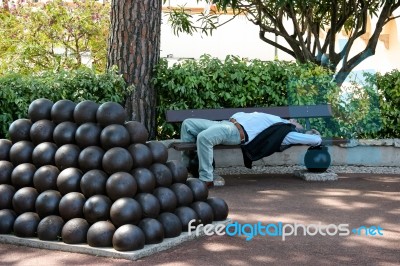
column 148, row 250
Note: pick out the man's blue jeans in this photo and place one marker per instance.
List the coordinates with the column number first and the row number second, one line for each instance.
column 207, row 134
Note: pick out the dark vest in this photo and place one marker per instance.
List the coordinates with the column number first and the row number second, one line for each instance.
column 266, row 143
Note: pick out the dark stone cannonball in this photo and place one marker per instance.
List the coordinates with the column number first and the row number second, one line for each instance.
column 204, row 211
column 45, row 178
column 120, row 185
column 153, row 230
column 117, row 160
column 100, row 234
column 5, row 147
column 47, row 203
column 25, row 225
column 162, row 174
column 44, row 153
column 42, row 131
column 150, row 205
column 141, row 155
column 97, row 208
column 145, row 179
column 85, row 112
column 220, row 208
column 20, row 130
column 317, row 159
column 40, row 109
column 199, row 189
column 69, row 180
column 64, row 133
column 110, row 113
column 128, row 237
column 50, row 227
column 75, row 231
column 137, row 132
column 6, row 195
column 93, row 182
column 183, row 193
column 114, row 136
column 67, row 156
column 91, row 158
column 24, row 200
column 125, row 211
column 88, row 134
column 21, row 152
column 22, row 175
column 158, row 151
column 186, row 214
column 171, row 223
column 7, row 219
column 6, row 169
column 167, row 199
column 71, row 206
column 63, row 110
column 178, row 170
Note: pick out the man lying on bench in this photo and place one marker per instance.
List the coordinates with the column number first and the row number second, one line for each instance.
column 260, row 135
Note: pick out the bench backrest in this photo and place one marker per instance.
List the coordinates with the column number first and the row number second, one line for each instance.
column 294, row 111
column 304, row 111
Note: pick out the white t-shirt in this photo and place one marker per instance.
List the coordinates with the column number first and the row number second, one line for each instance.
column 254, row 123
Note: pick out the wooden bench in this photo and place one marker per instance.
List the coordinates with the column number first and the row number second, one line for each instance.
column 305, row 112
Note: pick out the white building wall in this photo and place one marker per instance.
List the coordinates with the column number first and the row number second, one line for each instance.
column 240, row 37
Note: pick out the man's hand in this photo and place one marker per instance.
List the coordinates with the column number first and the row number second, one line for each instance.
column 313, row 132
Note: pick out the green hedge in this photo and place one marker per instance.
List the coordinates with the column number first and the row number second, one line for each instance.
column 388, row 86
column 212, row 83
column 17, row 91
column 370, row 110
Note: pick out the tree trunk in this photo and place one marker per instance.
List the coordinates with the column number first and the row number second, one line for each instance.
column 134, row 47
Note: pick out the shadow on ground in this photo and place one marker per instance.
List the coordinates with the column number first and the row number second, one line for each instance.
column 355, row 199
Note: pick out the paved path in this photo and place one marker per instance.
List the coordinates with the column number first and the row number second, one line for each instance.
column 356, row 200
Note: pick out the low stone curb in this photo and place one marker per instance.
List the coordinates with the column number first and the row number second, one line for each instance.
column 108, row 252
column 289, row 169
column 372, row 142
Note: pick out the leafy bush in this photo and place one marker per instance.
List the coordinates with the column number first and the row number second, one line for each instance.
column 357, row 110
column 366, row 109
column 369, row 107
column 54, row 35
column 212, row 83
column 17, row 91
column 388, row 95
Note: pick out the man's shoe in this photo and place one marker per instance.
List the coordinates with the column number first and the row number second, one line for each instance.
column 209, row 184
column 219, row 181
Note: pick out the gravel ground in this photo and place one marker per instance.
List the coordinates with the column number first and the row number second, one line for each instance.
column 291, row 169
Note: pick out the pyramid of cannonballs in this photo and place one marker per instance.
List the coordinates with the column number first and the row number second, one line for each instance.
column 79, row 173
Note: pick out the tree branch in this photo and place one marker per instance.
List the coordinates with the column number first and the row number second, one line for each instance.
column 361, row 22
column 333, row 29
column 369, row 49
column 277, row 45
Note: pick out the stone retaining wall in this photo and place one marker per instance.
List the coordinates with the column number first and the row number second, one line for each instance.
column 365, row 152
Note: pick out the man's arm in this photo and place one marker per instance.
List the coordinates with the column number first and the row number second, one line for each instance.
column 301, row 138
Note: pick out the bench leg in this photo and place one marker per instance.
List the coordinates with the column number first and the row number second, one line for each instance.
column 317, row 159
